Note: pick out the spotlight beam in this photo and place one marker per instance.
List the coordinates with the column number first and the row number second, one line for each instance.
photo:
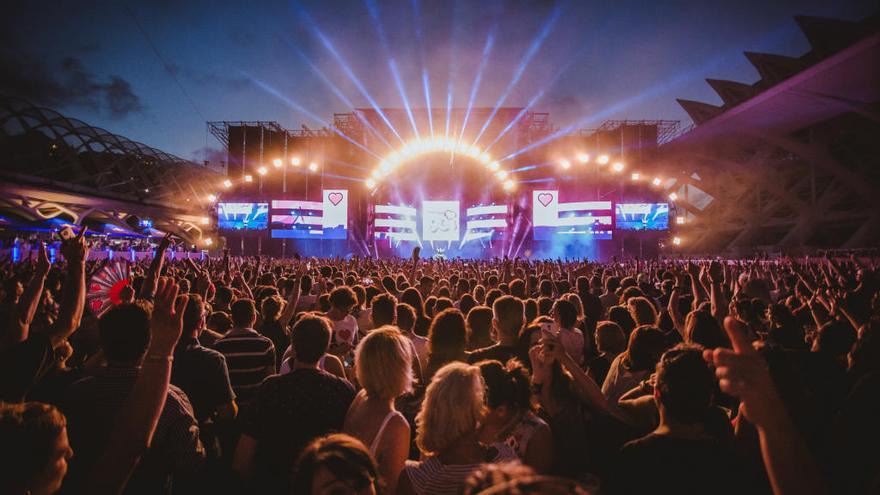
column 426, row 86
column 336, row 91
column 487, row 50
column 535, row 45
column 373, row 10
column 345, row 67
column 296, row 106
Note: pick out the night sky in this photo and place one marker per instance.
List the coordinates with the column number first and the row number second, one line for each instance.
column 156, row 71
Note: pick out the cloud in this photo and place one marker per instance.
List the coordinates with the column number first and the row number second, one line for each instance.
column 67, row 83
column 203, row 78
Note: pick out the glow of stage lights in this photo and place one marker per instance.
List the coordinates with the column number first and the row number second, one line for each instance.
column 603, row 159
column 313, row 167
column 494, row 165
column 618, row 166
column 248, row 178
column 276, row 163
column 508, row 185
column 676, row 241
column 209, row 241
column 204, row 220
column 262, row 170
column 673, row 196
column 371, row 184
column 502, row 175
column 635, row 176
column 679, row 220
column 227, row 183
column 485, row 158
column 583, row 158
column 212, row 198
column 295, row 161
column 656, row 181
column 376, row 174
column 565, row 164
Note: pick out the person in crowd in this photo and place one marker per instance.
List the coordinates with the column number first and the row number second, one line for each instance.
column 345, row 329
column 510, row 418
column 291, row 410
column 383, row 365
column 565, row 317
column 336, row 463
column 479, row 324
column 610, row 343
column 646, row 345
column 250, row 357
column 384, row 312
column 508, row 320
column 92, row 403
column 415, row 299
column 448, row 433
column 447, row 340
column 34, row 448
column 406, row 322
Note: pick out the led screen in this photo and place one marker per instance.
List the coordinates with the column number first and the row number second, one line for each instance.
column 642, row 216
column 242, row 216
column 325, row 219
column 555, row 220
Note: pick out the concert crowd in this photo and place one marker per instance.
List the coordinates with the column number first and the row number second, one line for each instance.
column 430, row 376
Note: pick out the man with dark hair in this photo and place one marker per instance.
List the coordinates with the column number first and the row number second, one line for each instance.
column 201, row 372
column 565, row 316
column 508, row 318
column 34, row 449
column 250, row 357
column 291, row 410
column 681, row 455
column 92, row 405
column 384, row 310
column 426, row 286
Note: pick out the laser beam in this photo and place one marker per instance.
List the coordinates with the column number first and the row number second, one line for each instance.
column 487, row 50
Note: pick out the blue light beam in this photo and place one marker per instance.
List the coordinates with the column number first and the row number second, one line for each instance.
column 487, row 50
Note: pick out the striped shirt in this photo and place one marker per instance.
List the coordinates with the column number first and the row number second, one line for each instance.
column 250, row 358
column 432, row 477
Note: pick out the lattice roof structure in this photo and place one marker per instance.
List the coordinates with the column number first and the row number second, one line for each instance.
column 791, row 160
column 55, row 166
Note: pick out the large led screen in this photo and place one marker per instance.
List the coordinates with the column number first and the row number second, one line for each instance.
column 642, row 216
column 555, row 220
column 326, row 219
column 242, row 216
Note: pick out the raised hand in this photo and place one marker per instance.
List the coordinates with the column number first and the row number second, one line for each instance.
column 743, row 373
column 43, row 263
column 166, row 323
column 75, row 249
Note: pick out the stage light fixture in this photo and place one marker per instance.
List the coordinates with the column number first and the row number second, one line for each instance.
column 376, row 174
column 673, row 196
column 295, row 161
column 371, row 184
column 502, row 175
column 248, row 178
column 676, row 241
column 618, row 166
column 635, row 176
column 485, row 158
column 276, row 163
column 313, row 167
column 209, row 241
column 603, row 159
column 656, row 181
column 227, row 183
column 565, row 164
column 583, row 157
column 508, row 185
column 204, row 220
column 262, row 170
column 494, row 166
column 679, row 220
column 212, row 198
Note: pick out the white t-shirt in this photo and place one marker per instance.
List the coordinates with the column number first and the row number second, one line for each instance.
column 345, row 330
column 306, row 302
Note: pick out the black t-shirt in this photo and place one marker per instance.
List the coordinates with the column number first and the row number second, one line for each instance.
column 498, row 352
column 288, row 412
column 23, row 365
column 665, row 464
column 202, row 374
column 275, row 332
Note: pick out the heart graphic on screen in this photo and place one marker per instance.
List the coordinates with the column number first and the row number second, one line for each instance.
column 545, row 198
column 335, row 198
